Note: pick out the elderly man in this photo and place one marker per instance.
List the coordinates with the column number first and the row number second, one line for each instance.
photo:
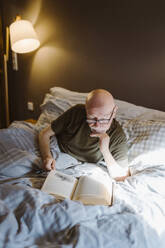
column 89, row 133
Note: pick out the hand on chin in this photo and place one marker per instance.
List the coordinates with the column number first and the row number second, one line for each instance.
column 94, row 132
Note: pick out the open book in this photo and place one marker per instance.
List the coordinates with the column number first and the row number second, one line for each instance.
column 90, row 190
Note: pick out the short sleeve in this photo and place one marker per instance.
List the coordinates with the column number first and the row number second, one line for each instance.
column 62, row 121
column 118, row 146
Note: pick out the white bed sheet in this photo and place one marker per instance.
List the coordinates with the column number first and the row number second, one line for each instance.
column 31, row 218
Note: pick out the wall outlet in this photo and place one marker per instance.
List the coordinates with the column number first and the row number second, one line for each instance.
column 30, row 106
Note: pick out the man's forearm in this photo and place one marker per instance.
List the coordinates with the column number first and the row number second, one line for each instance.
column 109, row 160
column 45, row 150
column 114, row 169
column 44, row 144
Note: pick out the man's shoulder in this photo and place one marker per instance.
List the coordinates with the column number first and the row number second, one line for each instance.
column 70, row 117
column 116, row 129
column 115, row 124
column 78, row 109
column 75, row 113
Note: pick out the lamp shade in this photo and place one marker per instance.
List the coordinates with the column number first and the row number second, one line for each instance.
column 23, row 37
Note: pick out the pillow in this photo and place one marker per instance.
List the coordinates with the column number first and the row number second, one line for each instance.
column 72, row 96
column 146, row 142
column 51, row 108
column 60, row 99
column 58, row 102
column 126, row 110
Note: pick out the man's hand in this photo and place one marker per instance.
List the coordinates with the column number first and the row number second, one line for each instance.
column 122, row 178
column 104, row 141
column 115, row 171
column 49, row 163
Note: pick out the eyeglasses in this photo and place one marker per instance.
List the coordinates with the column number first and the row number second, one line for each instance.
column 100, row 121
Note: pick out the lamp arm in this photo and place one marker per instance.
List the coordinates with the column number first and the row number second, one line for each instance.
column 6, row 92
column 7, row 43
column 5, row 60
column 15, row 67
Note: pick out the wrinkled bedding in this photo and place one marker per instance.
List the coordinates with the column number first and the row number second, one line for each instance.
column 31, row 218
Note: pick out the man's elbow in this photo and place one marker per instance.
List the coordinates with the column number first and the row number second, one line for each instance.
column 43, row 134
column 46, row 133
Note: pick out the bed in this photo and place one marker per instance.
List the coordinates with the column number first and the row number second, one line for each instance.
column 32, row 218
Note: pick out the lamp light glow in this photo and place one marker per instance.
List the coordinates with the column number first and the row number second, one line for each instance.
column 23, row 37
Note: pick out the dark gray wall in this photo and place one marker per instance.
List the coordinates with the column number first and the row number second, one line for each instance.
column 113, row 44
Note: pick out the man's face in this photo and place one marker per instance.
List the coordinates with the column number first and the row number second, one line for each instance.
column 100, row 119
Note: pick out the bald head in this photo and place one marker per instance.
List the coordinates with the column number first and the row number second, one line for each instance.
column 100, row 105
column 99, row 98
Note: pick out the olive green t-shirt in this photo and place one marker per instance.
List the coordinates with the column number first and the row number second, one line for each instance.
column 73, row 135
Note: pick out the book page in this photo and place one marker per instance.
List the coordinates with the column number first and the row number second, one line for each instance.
column 59, row 184
column 94, row 190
